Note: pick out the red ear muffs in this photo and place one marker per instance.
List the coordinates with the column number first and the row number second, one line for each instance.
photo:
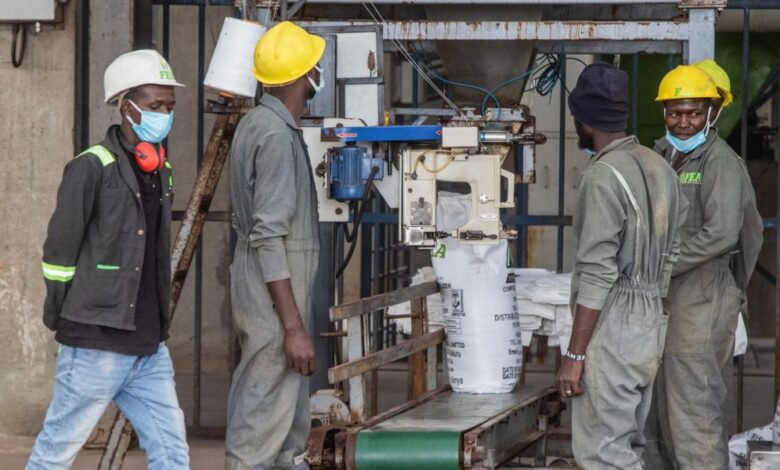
column 148, row 158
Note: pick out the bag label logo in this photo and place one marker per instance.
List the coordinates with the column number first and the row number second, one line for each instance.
column 439, row 252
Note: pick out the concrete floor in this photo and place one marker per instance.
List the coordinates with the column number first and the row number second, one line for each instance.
column 209, row 454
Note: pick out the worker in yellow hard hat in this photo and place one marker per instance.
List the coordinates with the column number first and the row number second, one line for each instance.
column 722, row 82
column 720, row 240
column 274, row 203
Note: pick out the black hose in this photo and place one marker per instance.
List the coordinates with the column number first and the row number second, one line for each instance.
column 351, row 238
column 17, row 55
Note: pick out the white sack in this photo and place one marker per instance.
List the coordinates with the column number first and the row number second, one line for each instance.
column 483, row 345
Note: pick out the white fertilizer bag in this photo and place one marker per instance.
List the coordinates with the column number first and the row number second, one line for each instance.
column 483, row 345
column 484, row 349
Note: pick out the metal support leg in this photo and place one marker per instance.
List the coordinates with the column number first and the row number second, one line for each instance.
column 432, row 371
column 701, row 43
column 358, row 392
column 417, row 370
column 200, row 201
column 323, row 297
column 118, row 443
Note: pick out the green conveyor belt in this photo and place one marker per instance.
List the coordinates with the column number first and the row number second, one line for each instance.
column 407, row 450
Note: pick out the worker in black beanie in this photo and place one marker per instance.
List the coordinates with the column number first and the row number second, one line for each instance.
column 627, row 241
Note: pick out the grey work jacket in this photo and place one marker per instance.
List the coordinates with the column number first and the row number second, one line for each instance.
column 629, row 207
column 274, row 204
column 94, row 252
column 723, row 217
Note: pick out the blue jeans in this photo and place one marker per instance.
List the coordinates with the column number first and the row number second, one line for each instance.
column 87, row 380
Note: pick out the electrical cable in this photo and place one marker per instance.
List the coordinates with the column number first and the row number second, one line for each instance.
column 376, row 15
column 506, row 83
column 17, row 54
column 447, row 81
column 545, row 82
column 550, row 73
column 352, row 238
column 421, row 161
column 487, row 93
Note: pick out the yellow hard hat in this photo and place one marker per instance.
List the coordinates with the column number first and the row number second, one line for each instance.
column 720, row 77
column 286, row 53
column 686, row 81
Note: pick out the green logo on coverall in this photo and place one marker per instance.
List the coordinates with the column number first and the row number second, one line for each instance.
column 691, row 177
column 439, row 252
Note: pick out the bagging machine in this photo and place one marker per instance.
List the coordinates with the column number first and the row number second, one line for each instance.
column 353, row 157
column 437, row 428
column 426, row 155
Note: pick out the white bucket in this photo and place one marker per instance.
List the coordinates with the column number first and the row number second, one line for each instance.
column 230, row 70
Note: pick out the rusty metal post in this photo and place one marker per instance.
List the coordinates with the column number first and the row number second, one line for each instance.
column 181, row 258
column 118, row 442
column 417, row 371
column 200, row 200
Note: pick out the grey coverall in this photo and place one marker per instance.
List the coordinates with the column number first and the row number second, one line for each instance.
column 721, row 239
column 629, row 206
column 275, row 216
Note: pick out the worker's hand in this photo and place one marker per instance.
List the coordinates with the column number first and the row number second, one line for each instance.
column 299, row 350
column 568, row 379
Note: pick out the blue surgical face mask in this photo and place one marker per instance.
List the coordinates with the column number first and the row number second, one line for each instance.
column 693, row 142
column 318, row 87
column 154, row 127
column 589, row 151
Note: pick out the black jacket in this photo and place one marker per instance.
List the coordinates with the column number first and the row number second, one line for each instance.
column 94, row 251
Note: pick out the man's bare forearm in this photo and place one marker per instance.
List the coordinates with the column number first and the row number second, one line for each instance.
column 284, row 301
column 584, row 322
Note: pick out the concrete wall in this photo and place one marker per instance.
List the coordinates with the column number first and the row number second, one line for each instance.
column 110, row 34
column 36, row 131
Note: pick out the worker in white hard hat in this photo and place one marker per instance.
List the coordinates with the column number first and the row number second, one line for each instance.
column 107, row 269
column 275, row 216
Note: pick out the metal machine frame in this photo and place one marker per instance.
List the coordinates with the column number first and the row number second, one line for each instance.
column 520, row 424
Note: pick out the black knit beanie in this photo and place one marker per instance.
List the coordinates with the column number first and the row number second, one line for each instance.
column 600, row 97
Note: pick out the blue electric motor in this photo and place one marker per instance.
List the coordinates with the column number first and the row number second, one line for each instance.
column 350, row 169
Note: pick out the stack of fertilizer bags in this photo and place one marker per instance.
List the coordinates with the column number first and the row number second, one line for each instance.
column 738, row 444
column 542, row 299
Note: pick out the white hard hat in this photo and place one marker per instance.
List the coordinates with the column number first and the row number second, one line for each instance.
column 142, row 67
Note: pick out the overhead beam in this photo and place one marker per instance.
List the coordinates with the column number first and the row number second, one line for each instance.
column 530, row 30
column 536, row 30
column 513, row 2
